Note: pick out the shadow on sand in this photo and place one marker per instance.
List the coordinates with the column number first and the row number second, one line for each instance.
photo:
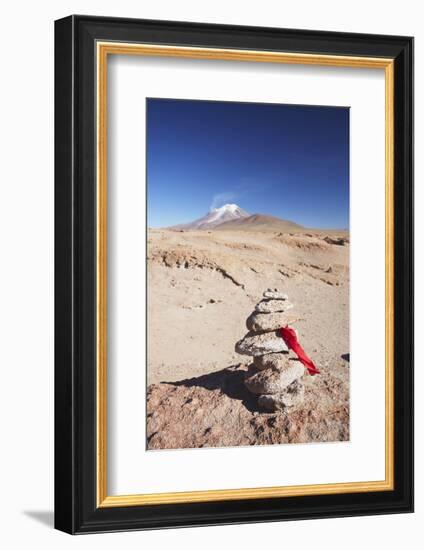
column 229, row 381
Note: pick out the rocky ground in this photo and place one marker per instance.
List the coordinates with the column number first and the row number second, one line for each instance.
column 202, row 286
column 217, row 410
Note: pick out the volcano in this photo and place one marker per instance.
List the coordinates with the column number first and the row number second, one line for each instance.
column 215, row 217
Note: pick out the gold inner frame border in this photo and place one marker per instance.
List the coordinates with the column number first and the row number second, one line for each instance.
column 103, row 50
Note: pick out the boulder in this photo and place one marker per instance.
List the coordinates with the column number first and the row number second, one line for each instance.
column 274, row 380
column 259, row 344
column 291, row 397
column 273, row 306
column 269, row 321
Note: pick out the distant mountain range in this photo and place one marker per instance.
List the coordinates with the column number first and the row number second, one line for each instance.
column 232, row 217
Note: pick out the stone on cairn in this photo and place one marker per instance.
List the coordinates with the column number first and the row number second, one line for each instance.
column 275, row 377
column 261, row 343
column 274, row 360
column 275, row 295
column 268, row 321
column 273, row 306
column 293, row 395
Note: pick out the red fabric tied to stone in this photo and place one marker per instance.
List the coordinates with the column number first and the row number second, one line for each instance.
column 290, row 338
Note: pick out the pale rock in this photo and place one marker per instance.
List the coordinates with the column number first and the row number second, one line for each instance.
column 273, row 360
column 273, row 306
column 274, row 380
column 258, row 344
column 275, row 295
column 269, row 321
column 291, row 397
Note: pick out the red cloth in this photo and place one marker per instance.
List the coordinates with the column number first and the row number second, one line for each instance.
column 290, row 338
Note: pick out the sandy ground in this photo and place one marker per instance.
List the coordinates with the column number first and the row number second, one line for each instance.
column 202, row 285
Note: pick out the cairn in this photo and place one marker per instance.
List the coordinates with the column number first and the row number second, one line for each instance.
column 274, row 377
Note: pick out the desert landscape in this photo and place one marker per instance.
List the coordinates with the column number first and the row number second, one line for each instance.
column 204, row 280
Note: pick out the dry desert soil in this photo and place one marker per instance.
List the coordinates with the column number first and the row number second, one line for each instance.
column 202, row 286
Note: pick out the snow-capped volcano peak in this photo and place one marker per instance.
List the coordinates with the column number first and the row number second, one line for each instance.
column 226, row 208
column 226, row 212
column 216, row 216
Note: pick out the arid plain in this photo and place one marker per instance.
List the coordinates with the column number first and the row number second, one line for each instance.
column 202, row 285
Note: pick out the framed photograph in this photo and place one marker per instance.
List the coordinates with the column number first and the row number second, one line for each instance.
column 233, row 265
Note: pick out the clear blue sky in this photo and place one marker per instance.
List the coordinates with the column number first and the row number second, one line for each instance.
column 290, row 161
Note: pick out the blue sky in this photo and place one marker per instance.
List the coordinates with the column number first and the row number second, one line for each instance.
column 290, row 161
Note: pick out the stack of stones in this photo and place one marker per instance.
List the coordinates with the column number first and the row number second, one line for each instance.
column 274, row 375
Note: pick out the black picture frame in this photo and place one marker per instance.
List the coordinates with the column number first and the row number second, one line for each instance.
column 76, row 510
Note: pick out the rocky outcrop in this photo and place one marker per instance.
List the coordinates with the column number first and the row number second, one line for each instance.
column 340, row 241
